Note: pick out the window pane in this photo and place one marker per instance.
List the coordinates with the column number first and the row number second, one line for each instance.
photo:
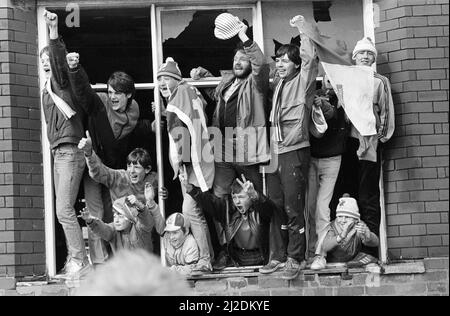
column 188, row 37
column 346, row 21
column 111, row 39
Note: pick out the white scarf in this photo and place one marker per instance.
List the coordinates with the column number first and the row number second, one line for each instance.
column 65, row 109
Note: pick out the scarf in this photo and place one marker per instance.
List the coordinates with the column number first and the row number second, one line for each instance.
column 63, row 107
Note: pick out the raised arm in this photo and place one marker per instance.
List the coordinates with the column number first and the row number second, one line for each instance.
column 79, row 83
column 260, row 67
column 57, row 51
column 97, row 170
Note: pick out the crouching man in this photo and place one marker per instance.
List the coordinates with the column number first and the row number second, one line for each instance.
column 345, row 237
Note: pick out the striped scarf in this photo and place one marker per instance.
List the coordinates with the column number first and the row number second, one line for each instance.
column 275, row 115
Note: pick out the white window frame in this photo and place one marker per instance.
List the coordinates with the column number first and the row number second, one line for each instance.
column 156, row 35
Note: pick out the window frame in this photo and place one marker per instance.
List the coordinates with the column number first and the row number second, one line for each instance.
column 156, row 8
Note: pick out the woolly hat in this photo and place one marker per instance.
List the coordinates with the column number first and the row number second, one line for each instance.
column 170, row 68
column 122, row 206
column 347, row 207
column 227, row 26
column 175, row 221
column 364, row 44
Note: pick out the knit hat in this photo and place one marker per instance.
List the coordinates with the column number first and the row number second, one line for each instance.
column 365, row 44
column 347, row 207
column 170, row 68
column 227, row 26
column 175, row 221
column 123, row 207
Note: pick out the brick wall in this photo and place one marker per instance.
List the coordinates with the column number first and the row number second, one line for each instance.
column 412, row 41
column 21, row 190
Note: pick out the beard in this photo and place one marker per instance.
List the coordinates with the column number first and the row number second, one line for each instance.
column 242, row 73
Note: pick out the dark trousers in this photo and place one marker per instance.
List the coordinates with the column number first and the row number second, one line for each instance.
column 287, row 189
column 369, row 197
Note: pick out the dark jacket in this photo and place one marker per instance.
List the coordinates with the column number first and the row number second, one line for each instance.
column 332, row 143
column 112, row 151
column 60, row 130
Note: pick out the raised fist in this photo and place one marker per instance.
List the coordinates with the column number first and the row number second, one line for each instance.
column 73, row 60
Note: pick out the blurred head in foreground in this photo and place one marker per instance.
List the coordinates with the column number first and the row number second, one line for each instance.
column 134, row 273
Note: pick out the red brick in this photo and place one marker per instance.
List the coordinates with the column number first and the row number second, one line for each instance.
column 20, row 247
column 408, row 163
column 432, row 95
column 427, row 241
column 7, row 260
column 435, row 263
column 430, row 74
column 31, row 213
column 414, row 43
column 443, row 195
column 386, row 4
column 441, row 173
column 442, row 41
column 412, row 207
column 387, row 26
column 415, row 64
column 404, row 97
column 393, row 231
column 399, row 219
column 390, row 187
column 432, row 42
column 426, row 10
column 350, row 291
column 445, row 240
column 414, row 253
column 438, row 20
column 397, row 197
column 438, row 251
column 424, row 195
column 411, row 289
column 421, row 151
column 380, row 37
column 426, row 218
column 436, row 206
column 32, row 236
column 402, row 55
column 380, row 290
column 429, row 53
column 436, row 229
column 28, row 259
column 403, row 76
column 396, row 175
column 435, row 184
column 440, row 161
column 7, row 236
column 419, row 129
column 433, row 118
column 439, row 63
column 398, row 12
column 413, row 21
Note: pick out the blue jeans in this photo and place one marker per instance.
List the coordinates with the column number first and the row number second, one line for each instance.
column 199, row 227
column 98, row 199
column 323, row 173
column 68, row 168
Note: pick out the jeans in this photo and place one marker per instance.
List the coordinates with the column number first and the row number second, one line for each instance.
column 226, row 173
column 199, row 227
column 68, row 168
column 98, row 199
column 323, row 173
column 287, row 189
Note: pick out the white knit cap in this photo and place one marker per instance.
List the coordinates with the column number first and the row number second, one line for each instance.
column 347, row 207
column 227, row 26
column 365, row 44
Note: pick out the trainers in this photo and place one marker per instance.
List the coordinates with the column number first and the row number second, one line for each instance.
column 361, row 260
column 272, row 266
column 319, row 263
column 74, row 270
column 222, row 261
column 292, row 269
